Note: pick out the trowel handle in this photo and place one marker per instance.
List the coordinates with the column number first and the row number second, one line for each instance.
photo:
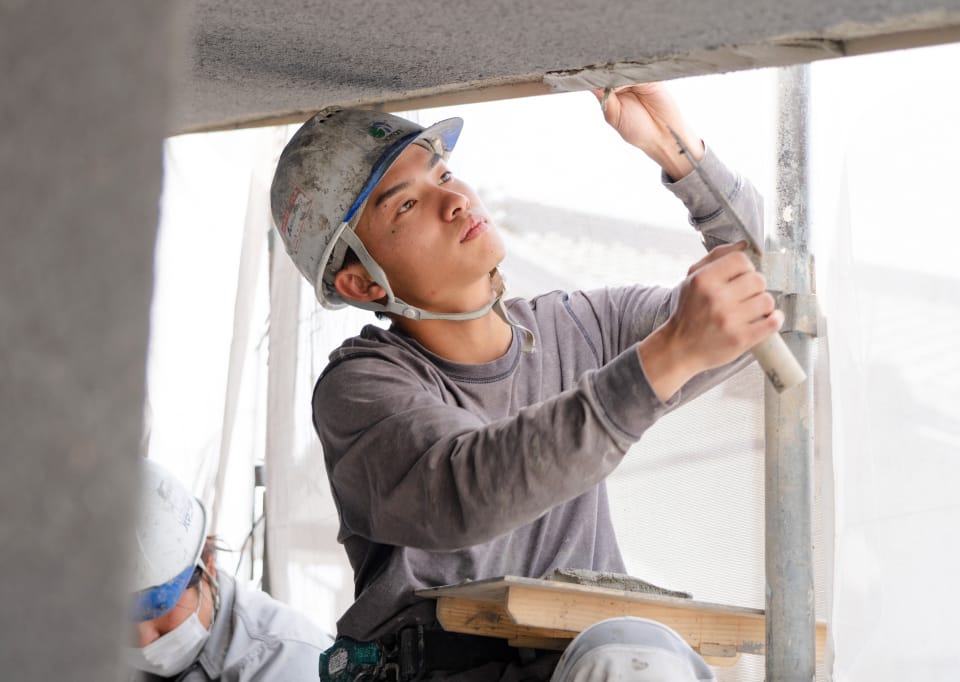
column 778, row 363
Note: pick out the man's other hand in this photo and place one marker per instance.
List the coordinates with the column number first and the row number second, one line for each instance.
column 723, row 311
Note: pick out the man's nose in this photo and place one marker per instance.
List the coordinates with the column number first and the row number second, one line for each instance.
column 146, row 633
column 453, row 203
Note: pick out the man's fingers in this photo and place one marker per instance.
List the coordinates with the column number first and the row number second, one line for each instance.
column 764, row 326
column 610, row 103
column 746, row 285
column 757, row 307
column 716, row 254
column 753, row 321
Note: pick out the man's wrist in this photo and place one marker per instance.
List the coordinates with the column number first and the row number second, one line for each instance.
column 664, row 363
column 672, row 159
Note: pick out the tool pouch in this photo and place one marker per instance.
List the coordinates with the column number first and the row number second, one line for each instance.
column 348, row 660
column 413, row 653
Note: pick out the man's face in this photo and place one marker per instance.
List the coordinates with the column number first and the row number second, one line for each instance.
column 431, row 235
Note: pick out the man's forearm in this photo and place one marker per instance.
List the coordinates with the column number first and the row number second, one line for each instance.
column 673, row 162
column 705, row 213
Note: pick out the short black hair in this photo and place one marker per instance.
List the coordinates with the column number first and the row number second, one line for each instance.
column 349, row 258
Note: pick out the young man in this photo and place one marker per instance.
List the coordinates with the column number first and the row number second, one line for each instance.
column 192, row 622
column 471, row 439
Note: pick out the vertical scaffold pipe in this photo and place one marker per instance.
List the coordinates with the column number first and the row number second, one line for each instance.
column 790, row 624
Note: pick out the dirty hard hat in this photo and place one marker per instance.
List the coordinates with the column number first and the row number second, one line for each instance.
column 322, row 181
column 170, row 532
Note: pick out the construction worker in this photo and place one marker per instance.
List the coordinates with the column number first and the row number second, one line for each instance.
column 472, row 438
column 192, row 622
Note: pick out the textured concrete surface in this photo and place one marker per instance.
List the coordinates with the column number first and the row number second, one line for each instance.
column 253, row 60
column 82, row 115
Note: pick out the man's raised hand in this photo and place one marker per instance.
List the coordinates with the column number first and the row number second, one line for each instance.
column 643, row 114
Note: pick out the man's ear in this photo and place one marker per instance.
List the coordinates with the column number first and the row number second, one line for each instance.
column 354, row 283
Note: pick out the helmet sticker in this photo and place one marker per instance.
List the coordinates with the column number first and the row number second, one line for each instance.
column 379, row 129
column 298, row 213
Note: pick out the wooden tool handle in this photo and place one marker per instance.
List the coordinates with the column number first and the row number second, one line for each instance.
column 778, row 363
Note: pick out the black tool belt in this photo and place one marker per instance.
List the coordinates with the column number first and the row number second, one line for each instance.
column 413, row 653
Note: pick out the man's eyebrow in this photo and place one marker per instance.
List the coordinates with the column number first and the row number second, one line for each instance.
column 386, row 194
column 400, row 186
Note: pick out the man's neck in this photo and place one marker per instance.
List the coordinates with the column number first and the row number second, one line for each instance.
column 466, row 341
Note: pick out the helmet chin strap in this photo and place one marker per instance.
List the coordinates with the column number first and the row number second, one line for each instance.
column 397, row 306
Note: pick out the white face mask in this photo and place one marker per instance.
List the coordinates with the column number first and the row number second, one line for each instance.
column 174, row 651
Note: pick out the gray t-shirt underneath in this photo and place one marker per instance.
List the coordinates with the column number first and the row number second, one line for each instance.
column 444, row 472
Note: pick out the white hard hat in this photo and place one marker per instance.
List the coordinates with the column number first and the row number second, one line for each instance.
column 170, row 533
column 322, row 181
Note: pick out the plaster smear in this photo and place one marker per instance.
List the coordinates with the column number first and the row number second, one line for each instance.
column 613, row 581
column 697, row 63
column 923, row 21
column 843, row 39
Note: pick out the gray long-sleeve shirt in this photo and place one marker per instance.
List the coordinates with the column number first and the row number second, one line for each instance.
column 444, row 471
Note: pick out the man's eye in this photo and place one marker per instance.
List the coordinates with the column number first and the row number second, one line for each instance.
column 446, row 177
column 406, row 206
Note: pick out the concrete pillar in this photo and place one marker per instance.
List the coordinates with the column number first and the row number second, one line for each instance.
column 83, row 112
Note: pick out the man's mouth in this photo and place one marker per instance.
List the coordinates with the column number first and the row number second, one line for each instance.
column 475, row 227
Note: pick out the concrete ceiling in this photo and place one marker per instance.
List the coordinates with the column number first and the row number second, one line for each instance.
column 254, row 63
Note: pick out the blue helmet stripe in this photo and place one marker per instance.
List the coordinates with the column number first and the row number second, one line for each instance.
column 449, row 131
column 379, row 170
column 153, row 602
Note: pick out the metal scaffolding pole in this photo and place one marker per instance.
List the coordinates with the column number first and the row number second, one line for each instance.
column 791, row 653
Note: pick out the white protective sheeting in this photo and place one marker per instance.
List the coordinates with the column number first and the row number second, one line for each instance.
column 206, row 369
column 308, row 567
column 255, row 225
column 885, row 194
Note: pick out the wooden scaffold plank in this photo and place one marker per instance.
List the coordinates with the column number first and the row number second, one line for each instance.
column 548, row 614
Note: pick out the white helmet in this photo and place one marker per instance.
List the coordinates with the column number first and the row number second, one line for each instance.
column 170, row 532
column 321, row 185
